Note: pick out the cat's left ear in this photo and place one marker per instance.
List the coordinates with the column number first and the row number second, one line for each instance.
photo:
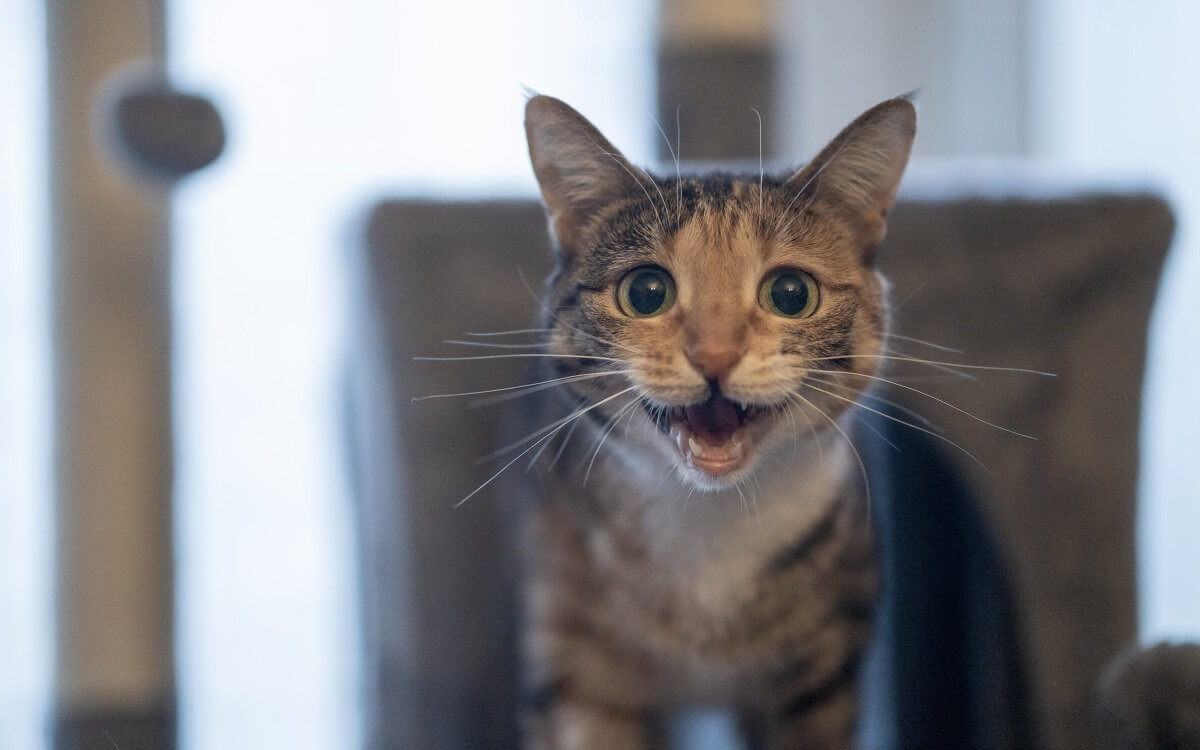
column 578, row 170
column 859, row 172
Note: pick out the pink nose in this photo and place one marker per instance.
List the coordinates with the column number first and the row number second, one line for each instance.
column 714, row 360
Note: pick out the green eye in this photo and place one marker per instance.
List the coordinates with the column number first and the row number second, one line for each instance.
column 645, row 292
column 790, row 293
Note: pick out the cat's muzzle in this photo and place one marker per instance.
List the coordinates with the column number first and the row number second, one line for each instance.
column 712, row 436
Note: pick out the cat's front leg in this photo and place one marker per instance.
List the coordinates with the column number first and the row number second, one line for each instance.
column 565, row 722
column 820, row 717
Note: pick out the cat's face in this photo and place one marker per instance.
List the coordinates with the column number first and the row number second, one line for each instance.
column 736, row 314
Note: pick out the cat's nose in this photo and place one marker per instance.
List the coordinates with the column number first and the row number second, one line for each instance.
column 713, row 359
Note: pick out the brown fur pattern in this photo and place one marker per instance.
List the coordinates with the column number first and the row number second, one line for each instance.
column 703, row 535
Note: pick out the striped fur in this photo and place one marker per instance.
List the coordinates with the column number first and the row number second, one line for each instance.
column 703, row 535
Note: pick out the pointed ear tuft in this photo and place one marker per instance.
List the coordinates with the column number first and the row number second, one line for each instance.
column 577, row 169
column 859, row 171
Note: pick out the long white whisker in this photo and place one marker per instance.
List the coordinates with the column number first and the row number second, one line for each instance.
column 508, row 333
column 604, row 436
column 563, row 446
column 497, row 345
column 923, row 342
column 918, row 361
column 616, row 158
column 528, row 355
column 897, row 420
column 862, row 467
column 760, row 161
column 920, row 392
column 553, row 426
column 677, row 152
column 786, row 214
column 880, row 399
column 518, row 457
column 526, row 387
column 554, row 316
column 933, row 365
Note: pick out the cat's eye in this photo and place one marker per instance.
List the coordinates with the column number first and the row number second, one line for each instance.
column 645, row 292
column 790, row 293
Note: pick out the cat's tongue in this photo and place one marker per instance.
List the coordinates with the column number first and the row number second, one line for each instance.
column 714, row 420
column 708, row 436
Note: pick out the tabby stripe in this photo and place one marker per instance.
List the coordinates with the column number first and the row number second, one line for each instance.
column 824, row 691
column 799, row 550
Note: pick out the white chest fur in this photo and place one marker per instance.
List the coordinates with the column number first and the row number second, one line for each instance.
column 709, row 547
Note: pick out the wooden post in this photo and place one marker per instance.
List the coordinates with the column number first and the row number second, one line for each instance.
column 716, row 65
column 114, row 671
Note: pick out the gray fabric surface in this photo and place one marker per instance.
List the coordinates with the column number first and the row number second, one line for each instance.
column 1063, row 285
column 1061, row 282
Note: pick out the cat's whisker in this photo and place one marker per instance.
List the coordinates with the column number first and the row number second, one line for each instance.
column 854, row 392
column 786, row 214
column 536, row 387
column 555, row 425
column 525, row 388
column 497, row 345
column 745, row 503
column 562, row 445
column 540, row 452
column 678, row 174
column 616, row 418
column 503, row 468
column 862, row 466
column 853, row 403
column 514, row 332
column 761, row 173
column 862, row 420
column 677, row 153
column 557, row 319
column 533, row 355
column 923, row 342
column 920, row 392
column 550, row 431
column 919, row 361
column 892, row 309
column 629, row 419
column 901, row 354
column 617, row 158
column 755, row 487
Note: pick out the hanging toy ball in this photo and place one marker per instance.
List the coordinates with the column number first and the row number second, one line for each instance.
column 162, row 131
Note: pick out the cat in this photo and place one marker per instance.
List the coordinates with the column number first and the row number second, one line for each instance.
column 702, row 533
column 1149, row 698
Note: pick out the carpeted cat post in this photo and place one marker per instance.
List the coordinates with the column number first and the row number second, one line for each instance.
column 114, row 682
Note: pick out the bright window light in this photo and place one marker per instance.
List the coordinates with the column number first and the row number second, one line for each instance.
column 25, row 532
column 329, row 106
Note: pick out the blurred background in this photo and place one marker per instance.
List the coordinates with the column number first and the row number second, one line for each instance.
column 328, row 106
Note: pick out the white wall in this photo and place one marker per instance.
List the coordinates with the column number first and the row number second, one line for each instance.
column 1117, row 91
column 330, row 106
column 25, row 504
column 966, row 59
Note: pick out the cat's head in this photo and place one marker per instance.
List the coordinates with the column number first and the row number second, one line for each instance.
column 734, row 312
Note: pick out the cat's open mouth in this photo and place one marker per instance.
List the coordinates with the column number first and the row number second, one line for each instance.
column 713, row 435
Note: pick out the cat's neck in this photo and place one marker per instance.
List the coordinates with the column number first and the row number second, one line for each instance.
column 792, row 489
column 714, row 545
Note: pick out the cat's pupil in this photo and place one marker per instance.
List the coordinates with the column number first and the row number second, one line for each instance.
column 789, row 293
column 647, row 293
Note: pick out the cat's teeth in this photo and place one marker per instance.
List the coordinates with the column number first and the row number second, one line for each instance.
column 694, row 446
column 736, row 451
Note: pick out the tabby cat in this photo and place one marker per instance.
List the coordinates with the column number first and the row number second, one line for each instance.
column 703, row 536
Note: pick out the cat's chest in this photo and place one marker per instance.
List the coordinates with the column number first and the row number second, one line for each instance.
column 712, row 553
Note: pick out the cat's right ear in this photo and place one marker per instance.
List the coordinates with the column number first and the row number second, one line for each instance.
column 578, row 170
